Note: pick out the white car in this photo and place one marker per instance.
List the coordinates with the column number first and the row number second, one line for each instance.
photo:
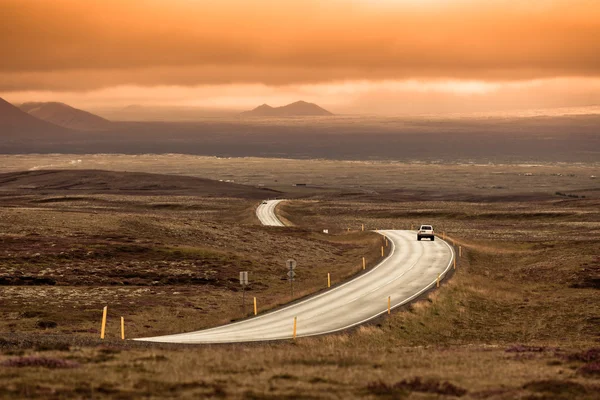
column 425, row 231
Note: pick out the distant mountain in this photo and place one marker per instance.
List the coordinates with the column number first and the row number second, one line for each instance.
column 15, row 122
column 66, row 116
column 297, row 109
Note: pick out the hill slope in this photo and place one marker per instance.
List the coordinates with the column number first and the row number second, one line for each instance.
column 64, row 115
column 17, row 123
column 98, row 181
column 297, row 109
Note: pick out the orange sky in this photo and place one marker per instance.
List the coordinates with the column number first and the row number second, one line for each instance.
column 355, row 55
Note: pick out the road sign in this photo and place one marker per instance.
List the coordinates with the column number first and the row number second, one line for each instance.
column 244, row 278
column 291, row 264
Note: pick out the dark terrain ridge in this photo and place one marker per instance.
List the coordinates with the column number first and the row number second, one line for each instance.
column 297, row 109
column 69, row 182
column 134, row 183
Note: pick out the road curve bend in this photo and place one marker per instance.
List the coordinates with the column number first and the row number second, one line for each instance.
column 266, row 213
column 411, row 268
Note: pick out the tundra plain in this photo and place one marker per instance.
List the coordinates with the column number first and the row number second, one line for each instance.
column 519, row 318
column 560, row 138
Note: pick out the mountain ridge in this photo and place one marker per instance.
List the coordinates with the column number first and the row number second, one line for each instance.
column 297, row 109
column 16, row 122
column 64, row 115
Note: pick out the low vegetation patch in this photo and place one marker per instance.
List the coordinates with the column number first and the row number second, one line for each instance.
column 591, row 369
column 38, row 361
column 589, row 355
column 573, row 196
column 45, row 324
column 525, row 349
column 562, row 389
column 588, row 276
column 416, row 384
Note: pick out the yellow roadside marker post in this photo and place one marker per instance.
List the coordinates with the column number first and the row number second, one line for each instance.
column 122, row 328
column 103, row 329
column 364, row 263
column 328, row 280
column 295, row 323
column 363, row 227
column 438, row 281
column 386, row 242
column 381, row 251
column 389, row 305
column 460, row 251
column 255, row 310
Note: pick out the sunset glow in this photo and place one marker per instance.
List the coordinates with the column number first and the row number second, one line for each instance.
column 236, row 53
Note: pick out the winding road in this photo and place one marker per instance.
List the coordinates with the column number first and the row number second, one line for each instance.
column 410, row 269
column 266, row 213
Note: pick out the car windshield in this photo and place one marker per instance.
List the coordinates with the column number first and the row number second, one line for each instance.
column 426, row 228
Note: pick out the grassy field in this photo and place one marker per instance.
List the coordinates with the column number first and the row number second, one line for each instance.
column 166, row 263
column 520, row 318
column 461, row 181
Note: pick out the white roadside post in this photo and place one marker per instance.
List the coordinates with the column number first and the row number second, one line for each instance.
column 244, row 282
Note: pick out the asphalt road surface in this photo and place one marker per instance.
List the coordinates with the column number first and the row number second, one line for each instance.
column 266, row 213
column 410, row 269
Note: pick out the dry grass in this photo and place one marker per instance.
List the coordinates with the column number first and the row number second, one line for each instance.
column 328, row 367
column 520, row 279
column 166, row 263
column 516, row 320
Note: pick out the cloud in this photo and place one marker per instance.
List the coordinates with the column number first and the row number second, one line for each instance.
column 81, row 45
